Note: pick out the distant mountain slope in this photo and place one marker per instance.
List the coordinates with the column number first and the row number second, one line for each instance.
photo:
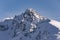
column 29, row 26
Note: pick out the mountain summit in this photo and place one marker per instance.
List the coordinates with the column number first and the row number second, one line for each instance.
column 29, row 26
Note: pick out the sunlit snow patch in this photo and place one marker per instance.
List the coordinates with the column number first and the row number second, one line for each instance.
column 55, row 23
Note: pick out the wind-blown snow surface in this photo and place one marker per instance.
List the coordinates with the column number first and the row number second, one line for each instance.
column 29, row 26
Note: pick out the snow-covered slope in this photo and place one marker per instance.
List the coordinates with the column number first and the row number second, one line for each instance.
column 55, row 23
column 29, row 26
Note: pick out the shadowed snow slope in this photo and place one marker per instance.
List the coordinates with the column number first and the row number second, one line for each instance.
column 29, row 26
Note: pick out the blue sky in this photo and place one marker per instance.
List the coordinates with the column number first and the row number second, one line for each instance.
column 47, row 8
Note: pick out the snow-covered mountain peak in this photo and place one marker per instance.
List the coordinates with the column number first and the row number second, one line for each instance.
column 30, row 15
column 29, row 26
